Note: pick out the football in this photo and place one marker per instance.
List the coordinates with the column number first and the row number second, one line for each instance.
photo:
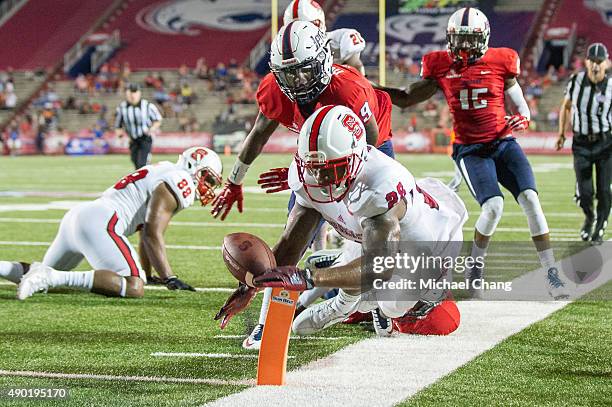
column 246, row 256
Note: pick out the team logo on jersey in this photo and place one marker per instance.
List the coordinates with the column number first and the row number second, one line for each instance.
column 452, row 74
column 181, row 17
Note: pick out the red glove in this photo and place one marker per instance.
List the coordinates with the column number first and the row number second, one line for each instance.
column 239, row 300
column 275, row 180
column 517, row 122
column 225, row 200
column 288, row 277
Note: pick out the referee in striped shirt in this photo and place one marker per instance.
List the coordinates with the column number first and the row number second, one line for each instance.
column 588, row 96
column 139, row 119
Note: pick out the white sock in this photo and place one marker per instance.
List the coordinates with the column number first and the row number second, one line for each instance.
column 11, row 270
column 346, row 303
column 310, row 296
column 78, row 279
column 265, row 304
column 547, row 258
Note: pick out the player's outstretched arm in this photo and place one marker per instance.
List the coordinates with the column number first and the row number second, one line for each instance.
column 252, row 147
column 377, row 230
column 301, row 224
column 417, row 92
column 162, row 206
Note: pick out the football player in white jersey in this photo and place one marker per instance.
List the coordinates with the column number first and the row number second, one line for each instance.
column 145, row 200
column 368, row 198
column 346, row 43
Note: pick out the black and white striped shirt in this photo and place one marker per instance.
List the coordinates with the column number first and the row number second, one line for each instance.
column 591, row 104
column 136, row 120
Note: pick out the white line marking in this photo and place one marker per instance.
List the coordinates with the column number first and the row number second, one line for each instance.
column 170, row 246
column 162, row 288
column 293, row 338
column 207, row 355
column 162, row 379
column 177, row 223
column 399, row 367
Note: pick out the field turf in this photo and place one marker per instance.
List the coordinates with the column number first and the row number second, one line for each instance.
column 563, row 360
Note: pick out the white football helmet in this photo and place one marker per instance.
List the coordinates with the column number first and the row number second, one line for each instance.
column 468, row 34
column 205, row 168
column 331, row 150
column 301, row 61
column 305, row 10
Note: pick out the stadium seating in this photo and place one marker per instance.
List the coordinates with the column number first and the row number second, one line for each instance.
column 40, row 33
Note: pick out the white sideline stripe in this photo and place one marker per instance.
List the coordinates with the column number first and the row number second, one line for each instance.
column 163, row 288
column 162, row 379
column 206, row 355
column 401, row 366
column 170, row 246
column 293, row 338
column 177, row 223
column 259, row 225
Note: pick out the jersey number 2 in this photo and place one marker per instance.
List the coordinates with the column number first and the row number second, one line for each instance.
column 128, row 179
column 471, row 95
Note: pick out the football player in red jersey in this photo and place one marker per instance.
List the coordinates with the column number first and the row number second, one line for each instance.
column 476, row 80
column 303, row 78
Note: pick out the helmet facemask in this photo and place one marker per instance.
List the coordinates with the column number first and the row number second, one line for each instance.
column 468, row 45
column 327, row 181
column 206, row 181
column 303, row 82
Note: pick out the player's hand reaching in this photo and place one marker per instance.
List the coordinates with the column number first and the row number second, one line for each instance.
column 517, row 122
column 275, row 180
column 174, row 283
column 239, row 300
column 225, row 200
column 288, row 277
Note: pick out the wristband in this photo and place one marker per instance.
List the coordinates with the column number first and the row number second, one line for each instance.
column 238, row 172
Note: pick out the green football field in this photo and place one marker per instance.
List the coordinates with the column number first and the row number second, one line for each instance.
column 566, row 359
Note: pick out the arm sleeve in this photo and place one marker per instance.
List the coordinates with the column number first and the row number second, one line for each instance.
column 515, row 93
column 426, row 67
column 567, row 92
column 271, row 100
column 512, row 63
column 118, row 117
column 185, row 195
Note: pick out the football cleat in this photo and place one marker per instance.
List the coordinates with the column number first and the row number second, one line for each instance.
column 383, row 326
column 319, row 316
column 358, row 317
column 556, row 284
column 253, row 341
column 322, row 259
column 35, row 280
column 421, row 309
column 587, row 229
column 598, row 234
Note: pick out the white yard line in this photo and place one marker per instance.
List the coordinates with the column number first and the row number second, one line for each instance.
column 162, row 288
column 385, row 371
column 170, row 246
column 293, row 338
column 154, row 379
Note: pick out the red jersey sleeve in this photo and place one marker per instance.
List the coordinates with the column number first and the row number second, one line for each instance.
column 272, row 101
column 511, row 62
column 426, row 66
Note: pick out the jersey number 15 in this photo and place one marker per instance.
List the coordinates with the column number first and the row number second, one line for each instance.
column 471, row 95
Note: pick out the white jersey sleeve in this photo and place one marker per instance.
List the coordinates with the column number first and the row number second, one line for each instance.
column 346, row 42
column 181, row 185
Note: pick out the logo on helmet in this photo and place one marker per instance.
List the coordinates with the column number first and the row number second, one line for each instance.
column 351, row 124
column 199, row 154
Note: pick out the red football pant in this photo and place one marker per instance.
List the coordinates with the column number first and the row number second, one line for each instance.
column 442, row 320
